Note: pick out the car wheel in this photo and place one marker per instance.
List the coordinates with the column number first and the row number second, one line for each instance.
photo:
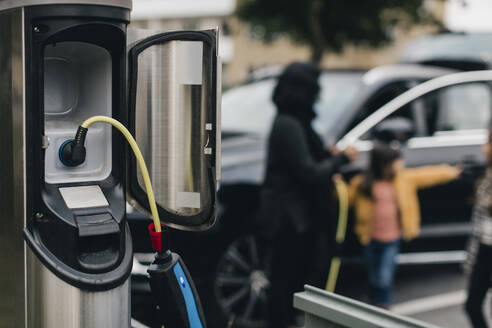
column 241, row 283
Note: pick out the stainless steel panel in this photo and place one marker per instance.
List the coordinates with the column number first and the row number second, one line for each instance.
column 12, row 168
column 171, row 124
column 218, row 156
column 9, row 4
column 53, row 303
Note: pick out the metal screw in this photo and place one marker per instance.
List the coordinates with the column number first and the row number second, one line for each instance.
column 39, row 215
column 36, row 29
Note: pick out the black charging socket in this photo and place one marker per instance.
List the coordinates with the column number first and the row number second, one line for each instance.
column 72, row 152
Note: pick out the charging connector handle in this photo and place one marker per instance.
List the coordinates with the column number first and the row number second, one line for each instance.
column 80, row 138
column 175, row 292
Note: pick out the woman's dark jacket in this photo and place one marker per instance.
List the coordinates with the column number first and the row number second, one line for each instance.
column 298, row 181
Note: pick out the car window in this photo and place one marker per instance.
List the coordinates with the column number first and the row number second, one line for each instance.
column 249, row 108
column 383, row 96
column 460, row 107
column 463, row 107
column 387, row 94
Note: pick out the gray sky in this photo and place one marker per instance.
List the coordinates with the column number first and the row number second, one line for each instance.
column 475, row 16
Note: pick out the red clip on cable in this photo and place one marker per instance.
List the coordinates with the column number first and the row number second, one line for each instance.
column 155, row 237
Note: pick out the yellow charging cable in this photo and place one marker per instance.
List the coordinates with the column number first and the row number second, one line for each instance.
column 343, row 207
column 140, row 160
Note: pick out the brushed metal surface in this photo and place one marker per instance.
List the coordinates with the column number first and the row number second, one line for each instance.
column 52, row 303
column 12, row 168
column 218, row 138
column 9, row 4
column 170, row 123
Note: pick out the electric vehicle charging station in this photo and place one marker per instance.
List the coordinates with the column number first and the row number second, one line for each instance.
column 67, row 249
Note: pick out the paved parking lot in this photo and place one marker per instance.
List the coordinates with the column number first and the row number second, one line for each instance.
column 433, row 294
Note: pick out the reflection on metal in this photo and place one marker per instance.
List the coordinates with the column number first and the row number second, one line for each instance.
column 52, row 302
column 12, row 166
column 170, row 124
column 409, row 96
column 324, row 309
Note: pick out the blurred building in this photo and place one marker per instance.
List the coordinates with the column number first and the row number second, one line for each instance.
column 256, row 54
column 242, row 52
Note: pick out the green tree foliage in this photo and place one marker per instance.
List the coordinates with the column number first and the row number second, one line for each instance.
column 332, row 24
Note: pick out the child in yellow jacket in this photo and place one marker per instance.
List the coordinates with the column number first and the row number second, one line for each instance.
column 387, row 209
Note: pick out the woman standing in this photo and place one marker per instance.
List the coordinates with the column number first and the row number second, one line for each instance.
column 479, row 260
column 296, row 191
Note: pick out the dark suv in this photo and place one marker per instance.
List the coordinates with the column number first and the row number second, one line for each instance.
column 449, row 113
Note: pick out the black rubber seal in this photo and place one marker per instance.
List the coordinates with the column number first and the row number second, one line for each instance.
column 85, row 281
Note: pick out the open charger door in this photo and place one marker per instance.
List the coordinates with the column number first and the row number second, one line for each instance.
column 174, row 114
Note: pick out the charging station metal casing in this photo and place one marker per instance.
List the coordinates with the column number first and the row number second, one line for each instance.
column 66, row 248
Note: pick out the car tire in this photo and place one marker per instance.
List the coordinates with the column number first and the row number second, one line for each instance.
column 237, row 295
